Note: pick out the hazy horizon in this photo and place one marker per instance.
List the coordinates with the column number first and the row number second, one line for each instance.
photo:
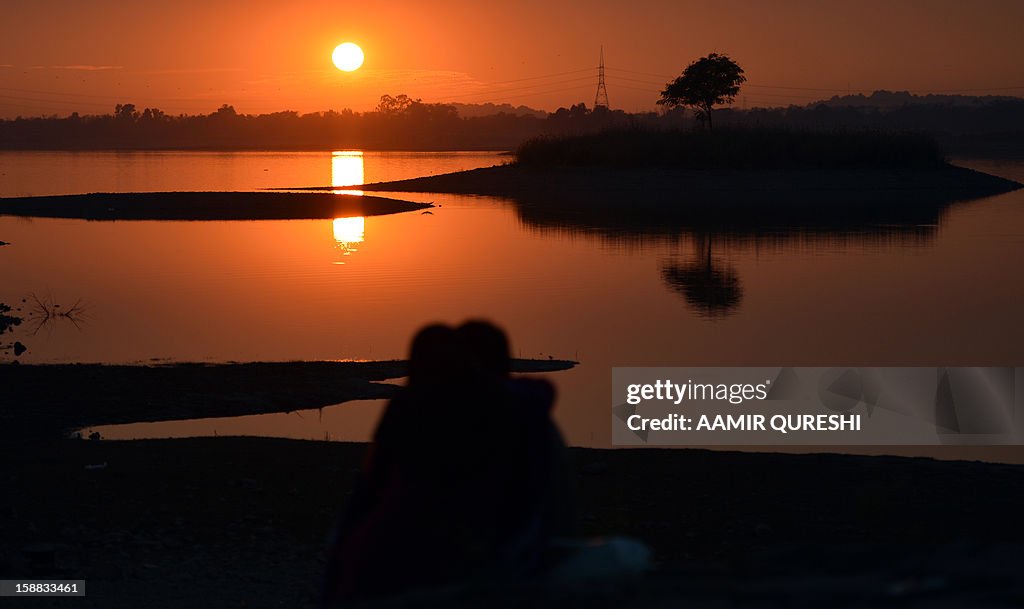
column 59, row 57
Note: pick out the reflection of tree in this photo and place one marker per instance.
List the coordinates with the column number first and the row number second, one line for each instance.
column 714, row 291
column 45, row 311
column 41, row 313
column 760, row 212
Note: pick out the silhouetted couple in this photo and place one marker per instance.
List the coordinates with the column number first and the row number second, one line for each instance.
column 465, row 480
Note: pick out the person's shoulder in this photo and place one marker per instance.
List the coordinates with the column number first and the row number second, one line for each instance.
column 532, row 392
column 396, row 413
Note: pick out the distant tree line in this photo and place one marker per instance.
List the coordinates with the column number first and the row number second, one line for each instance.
column 398, row 123
column 992, row 126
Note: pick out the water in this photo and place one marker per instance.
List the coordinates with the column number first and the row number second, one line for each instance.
column 52, row 173
column 940, row 290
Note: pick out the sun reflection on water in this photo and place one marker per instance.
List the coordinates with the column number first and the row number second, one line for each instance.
column 347, row 170
column 349, row 230
column 347, row 233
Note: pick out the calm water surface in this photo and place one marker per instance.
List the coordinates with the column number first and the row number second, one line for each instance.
column 943, row 289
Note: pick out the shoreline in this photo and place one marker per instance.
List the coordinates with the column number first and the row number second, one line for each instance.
column 39, row 404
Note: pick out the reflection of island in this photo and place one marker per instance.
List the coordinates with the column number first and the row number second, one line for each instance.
column 620, row 189
column 711, row 287
column 713, row 290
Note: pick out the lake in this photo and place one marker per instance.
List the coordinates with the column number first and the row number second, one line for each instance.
column 939, row 290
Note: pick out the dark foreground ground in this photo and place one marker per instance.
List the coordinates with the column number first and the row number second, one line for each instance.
column 242, row 522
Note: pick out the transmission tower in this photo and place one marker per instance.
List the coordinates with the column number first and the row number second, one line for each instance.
column 601, row 99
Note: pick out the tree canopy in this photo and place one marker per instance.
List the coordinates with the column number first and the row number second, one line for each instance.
column 706, row 82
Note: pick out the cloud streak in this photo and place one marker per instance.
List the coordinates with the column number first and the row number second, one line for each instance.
column 79, row 67
column 434, row 79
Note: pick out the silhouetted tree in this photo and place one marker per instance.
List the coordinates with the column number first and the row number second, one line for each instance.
column 708, row 81
column 225, row 111
column 418, row 110
column 125, row 112
column 395, row 105
column 153, row 114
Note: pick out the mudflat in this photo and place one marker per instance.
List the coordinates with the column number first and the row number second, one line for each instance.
column 204, row 206
column 48, row 400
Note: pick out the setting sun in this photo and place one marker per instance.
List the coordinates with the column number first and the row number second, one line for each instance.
column 347, row 56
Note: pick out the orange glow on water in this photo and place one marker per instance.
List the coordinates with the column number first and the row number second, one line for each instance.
column 270, row 290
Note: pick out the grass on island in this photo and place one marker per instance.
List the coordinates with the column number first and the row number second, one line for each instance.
column 735, row 149
column 689, row 178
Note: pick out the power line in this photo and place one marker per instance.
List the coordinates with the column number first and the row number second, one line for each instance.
column 836, row 90
column 52, row 101
column 643, row 82
column 35, row 92
column 632, row 88
column 521, row 88
column 548, row 92
column 544, row 92
column 501, row 82
column 790, row 96
column 1013, row 88
column 757, row 86
column 71, row 98
column 640, row 73
column 576, row 88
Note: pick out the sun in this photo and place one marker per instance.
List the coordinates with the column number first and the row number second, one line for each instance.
column 347, row 56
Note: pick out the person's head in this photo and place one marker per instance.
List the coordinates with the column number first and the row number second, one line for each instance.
column 487, row 346
column 435, row 356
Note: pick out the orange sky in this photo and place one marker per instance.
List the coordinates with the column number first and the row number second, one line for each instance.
column 191, row 56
